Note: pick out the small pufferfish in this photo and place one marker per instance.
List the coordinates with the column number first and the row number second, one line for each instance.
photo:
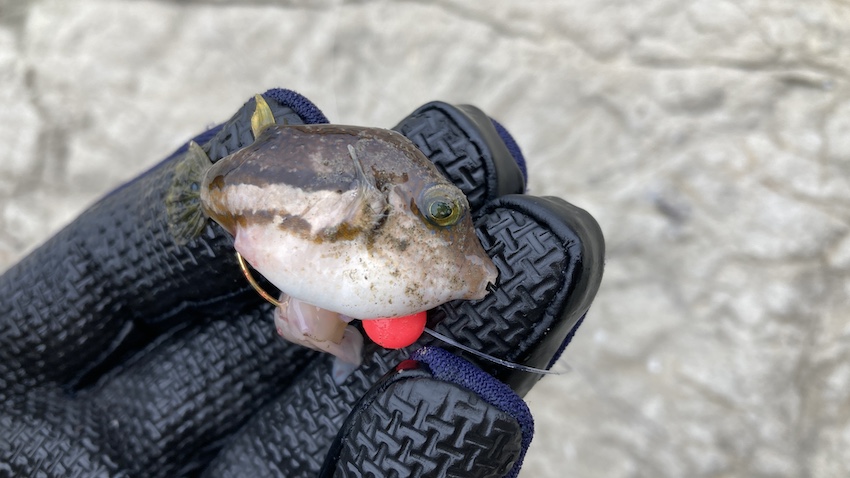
column 347, row 222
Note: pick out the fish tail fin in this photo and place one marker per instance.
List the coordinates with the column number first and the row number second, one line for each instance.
column 186, row 218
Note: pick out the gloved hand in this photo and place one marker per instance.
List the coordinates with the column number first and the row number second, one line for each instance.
column 125, row 354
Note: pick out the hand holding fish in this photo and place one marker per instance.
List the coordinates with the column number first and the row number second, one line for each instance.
column 131, row 343
column 357, row 210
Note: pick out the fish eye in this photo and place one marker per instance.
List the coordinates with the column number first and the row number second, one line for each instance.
column 441, row 206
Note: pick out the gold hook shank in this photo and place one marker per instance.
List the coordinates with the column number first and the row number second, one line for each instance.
column 265, row 295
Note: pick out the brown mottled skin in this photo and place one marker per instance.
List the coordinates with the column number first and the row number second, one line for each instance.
column 357, row 211
column 314, row 158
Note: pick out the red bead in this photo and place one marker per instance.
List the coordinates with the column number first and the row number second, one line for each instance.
column 395, row 333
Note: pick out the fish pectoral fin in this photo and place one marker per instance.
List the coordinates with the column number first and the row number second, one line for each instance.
column 355, row 216
column 370, row 207
column 350, row 214
column 262, row 117
column 186, row 218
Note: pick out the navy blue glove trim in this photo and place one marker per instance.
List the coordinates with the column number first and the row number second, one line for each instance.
column 566, row 342
column 309, row 112
column 451, row 368
column 513, row 148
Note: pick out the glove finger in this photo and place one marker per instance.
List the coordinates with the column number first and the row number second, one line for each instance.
column 45, row 436
column 166, row 412
column 115, row 277
column 468, row 148
column 542, row 261
column 484, row 161
column 291, row 435
column 550, row 256
column 439, row 417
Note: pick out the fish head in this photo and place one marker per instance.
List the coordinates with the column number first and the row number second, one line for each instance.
column 430, row 228
column 350, row 219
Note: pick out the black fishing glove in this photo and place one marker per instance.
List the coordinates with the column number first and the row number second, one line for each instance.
column 123, row 353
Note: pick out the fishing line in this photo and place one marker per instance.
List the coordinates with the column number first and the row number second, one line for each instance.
column 504, row 363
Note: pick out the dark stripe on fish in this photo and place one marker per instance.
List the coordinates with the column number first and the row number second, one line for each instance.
column 316, row 157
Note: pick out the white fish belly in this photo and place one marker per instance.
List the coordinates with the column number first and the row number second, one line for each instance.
column 349, row 278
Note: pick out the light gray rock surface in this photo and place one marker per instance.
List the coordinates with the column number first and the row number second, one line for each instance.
column 711, row 139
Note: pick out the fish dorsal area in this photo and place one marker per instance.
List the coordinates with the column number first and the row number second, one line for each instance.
column 325, row 182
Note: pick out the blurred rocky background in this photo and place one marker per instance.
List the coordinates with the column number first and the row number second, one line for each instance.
column 711, row 139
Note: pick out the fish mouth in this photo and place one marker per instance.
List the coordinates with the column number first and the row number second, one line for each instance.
column 480, row 275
